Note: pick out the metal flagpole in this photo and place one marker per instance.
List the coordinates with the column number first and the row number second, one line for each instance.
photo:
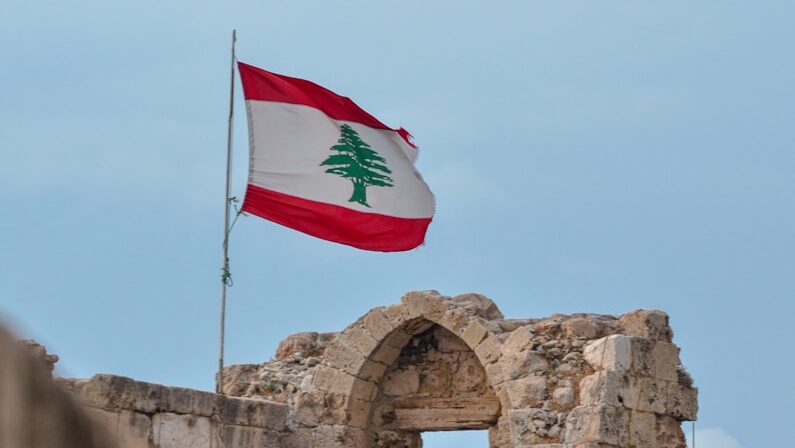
column 225, row 277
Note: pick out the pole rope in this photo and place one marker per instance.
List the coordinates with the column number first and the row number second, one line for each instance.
column 229, row 200
column 226, row 272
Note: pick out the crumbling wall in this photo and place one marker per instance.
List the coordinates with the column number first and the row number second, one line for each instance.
column 566, row 381
column 141, row 414
column 430, row 362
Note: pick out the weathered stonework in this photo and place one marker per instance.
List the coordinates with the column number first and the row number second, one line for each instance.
column 429, row 363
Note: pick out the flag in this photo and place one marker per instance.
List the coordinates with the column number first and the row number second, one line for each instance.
column 321, row 165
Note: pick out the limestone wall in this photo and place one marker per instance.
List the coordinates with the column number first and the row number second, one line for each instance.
column 142, row 414
column 430, row 362
column 566, row 381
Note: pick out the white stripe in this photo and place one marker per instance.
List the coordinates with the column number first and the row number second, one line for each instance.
column 289, row 142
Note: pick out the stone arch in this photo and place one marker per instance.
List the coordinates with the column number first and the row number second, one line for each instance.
column 355, row 362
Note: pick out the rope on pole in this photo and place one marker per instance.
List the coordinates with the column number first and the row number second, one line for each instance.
column 226, row 277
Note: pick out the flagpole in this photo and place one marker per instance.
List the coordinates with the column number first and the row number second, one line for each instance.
column 225, row 278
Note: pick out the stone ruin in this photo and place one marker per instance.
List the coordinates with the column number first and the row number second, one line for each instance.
column 430, row 363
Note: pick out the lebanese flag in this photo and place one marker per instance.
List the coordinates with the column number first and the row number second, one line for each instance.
column 321, row 165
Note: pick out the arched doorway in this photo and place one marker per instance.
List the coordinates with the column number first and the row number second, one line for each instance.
column 436, row 384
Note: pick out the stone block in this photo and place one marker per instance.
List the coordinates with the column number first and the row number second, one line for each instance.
column 417, row 326
column 237, row 379
column 579, row 327
column 363, row 390
column 334, row 436
column 345, row 358
column 358, row 339
column 642, row 356
column 386, row 354
column 324, row 379
column 397, row 339
column 598, row 424
column 372, row 371
column 681, row 402
column 479, row 305
column 518, row 341
column 95, row 392
column 339, row 382
column 252, row 412
column 134, row 429
column 609, row 388
column 314, row 408
column 500, row 434
column 666, row 361
column 523, row 364
column 454, row 320
column 501, row 391
column 242, row 437
column 474, row 333
column 181, row 431
column 443, row 414
column 448, row 342
column 429, row 305
column 495, row 373
column 306, row 343
column 298, row 438
column 642, row 430
column 436, row 381
column 336, row 381
column 550, row 326
column 669, row 433
column 398, row 315
column 470, row 376
column 248, row 437
column 651, row 324
column 609, row 353
column 358, row 413
column 116, row 393
column 488, row 351
column 651, row 395
column 187, row 401
column 401, row 383
column 415, row 296
column 137, row 395
column 376, row 324
column 528, row 392
column 108, row 420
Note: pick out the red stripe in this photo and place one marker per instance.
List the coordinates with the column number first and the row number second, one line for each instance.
column 368, row 231
column 262, row 85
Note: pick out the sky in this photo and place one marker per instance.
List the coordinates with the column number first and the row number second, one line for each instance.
column 585, row 157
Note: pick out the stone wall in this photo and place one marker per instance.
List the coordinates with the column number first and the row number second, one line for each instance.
column 142, row 414
column 440, row 363
column 429, row 363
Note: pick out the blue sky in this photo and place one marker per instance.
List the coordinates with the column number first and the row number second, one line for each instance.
column 585, row 157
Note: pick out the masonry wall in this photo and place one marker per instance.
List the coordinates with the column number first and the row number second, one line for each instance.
column 139, row 414
column 430, row 362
